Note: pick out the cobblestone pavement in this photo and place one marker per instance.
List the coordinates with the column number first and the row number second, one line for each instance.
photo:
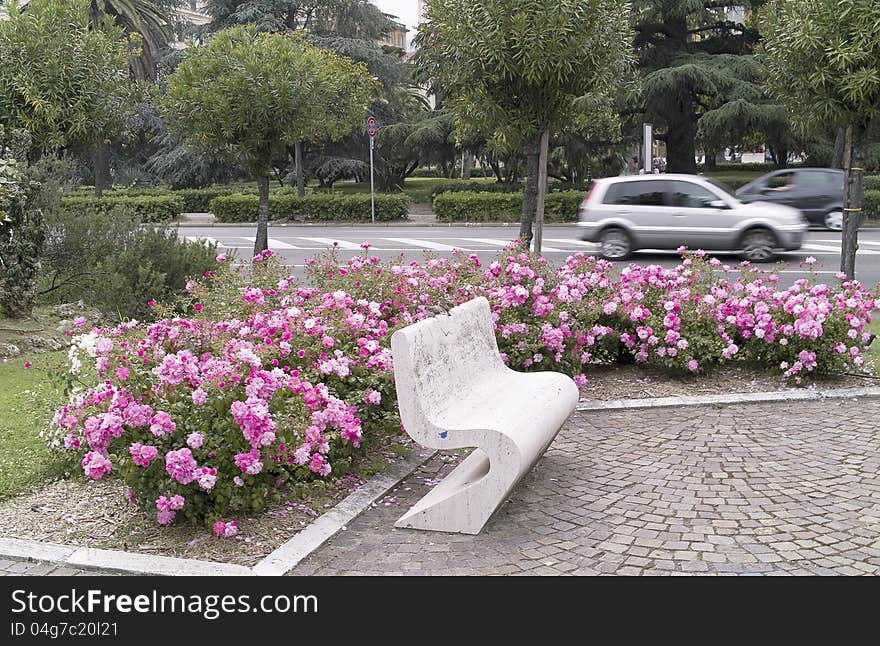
column 14, row 567
column 746, row 489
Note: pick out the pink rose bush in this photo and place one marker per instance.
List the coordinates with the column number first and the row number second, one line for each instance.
column 208, row 411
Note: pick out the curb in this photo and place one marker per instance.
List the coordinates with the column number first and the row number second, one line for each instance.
column 366, row 225
column 733, row 398
column 278, row 563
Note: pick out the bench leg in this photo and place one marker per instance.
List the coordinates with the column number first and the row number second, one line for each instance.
column 465, row 500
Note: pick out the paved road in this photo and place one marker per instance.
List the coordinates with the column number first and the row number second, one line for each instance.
column 297, row 243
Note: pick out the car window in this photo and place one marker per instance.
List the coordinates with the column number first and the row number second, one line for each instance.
column 820, row 179
column 782, row 181
column 644, row 193
column 690, row 195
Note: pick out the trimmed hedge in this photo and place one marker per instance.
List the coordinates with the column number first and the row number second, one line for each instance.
column 872, row 204
column 472, row 206
column 871, row 182
column 146, row 208
column 241, row 207
column 465, row 186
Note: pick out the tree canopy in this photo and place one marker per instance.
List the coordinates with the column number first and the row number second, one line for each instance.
column 249, row 95
column 523, row 68
column 61, row 80
column 822, row 60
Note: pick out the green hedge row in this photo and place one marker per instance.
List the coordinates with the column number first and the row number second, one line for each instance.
column 471, row 206
column 872, row 204
column 871, row 182
column 241, row 207
column 146, row 208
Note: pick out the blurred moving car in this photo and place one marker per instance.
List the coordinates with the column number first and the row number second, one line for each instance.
column 817, row 192
column 627, row 213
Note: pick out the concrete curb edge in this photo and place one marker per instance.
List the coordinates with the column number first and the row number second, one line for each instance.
column 733, row 398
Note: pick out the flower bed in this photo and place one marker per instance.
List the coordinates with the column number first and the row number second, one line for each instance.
column 260, row 381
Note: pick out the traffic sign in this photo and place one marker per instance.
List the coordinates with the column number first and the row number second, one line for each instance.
column 372, row 126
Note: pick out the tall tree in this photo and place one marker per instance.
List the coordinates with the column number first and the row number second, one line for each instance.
column 524, row 69
column 61, row 80
column 822, row 59
column 695, row 59
column 250, row 95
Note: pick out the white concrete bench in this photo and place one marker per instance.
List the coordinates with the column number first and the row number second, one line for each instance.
column 454, row 391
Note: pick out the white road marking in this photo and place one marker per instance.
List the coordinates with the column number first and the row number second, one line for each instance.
column 504, row 243
column 872, row 243
column 425, row 244
column 273, row 243
column 342, row 244
column 836, row 250
column 578, row 243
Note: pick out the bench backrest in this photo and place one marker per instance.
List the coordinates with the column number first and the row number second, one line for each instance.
column 439, row 359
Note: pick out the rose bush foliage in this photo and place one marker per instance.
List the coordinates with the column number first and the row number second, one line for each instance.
column 260, row 380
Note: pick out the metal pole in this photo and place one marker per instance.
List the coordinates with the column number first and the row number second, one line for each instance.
column 372, row 190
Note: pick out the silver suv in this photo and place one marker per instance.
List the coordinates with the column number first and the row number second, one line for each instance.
column 627, row 213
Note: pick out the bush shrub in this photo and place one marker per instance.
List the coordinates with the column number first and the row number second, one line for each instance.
column 239, row 207
column 872, row 204
column 260, row 381
column 114, row 264
column 465, row 186
column 146, row 208
column 470, row 206
column 872, row 182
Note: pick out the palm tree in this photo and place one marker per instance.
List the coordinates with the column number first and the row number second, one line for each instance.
column 147, row 20
column 142, row 17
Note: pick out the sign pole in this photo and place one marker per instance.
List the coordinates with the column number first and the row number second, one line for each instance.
column 648, row 150
column 372, row 190
column 372, row 128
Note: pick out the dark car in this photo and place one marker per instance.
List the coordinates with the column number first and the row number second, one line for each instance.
column 816, row 192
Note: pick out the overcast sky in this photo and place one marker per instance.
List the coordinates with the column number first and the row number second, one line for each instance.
column 406, row 10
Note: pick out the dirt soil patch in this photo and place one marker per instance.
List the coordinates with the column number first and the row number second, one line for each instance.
column 96, row 514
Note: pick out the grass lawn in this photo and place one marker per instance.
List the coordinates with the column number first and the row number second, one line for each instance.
column 874, row 350
column 28, row 399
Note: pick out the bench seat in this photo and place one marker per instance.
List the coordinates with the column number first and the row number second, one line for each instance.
column 454, row 391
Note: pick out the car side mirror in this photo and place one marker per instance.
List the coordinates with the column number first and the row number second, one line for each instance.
column 718, row 204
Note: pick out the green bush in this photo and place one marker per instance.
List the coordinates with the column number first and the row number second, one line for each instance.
column 872, row 204
column 240, row 207
column 145, row 208
column 872, row 182
column 461, row 186
column 114, row 264
column 472, row 206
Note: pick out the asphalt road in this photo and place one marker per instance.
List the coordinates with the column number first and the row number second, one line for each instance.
column 297, row 243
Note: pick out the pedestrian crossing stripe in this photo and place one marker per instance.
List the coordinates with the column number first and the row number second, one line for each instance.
column 342, row 244
column 273, row 243
column 425, row 244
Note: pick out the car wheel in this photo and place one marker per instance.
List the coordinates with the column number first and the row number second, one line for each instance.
column 615, row 244
column 834, row 220
column 758, row 245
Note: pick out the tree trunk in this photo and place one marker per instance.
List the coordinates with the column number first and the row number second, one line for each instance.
column 711, row 160
column 542, row 189
column 102, row 168
column 298, row 161
column 855, row 158
column 839, row 142
column 680, row 150
column 496, row 169
column 468, row 165
column 530, row 194
column 261, row 242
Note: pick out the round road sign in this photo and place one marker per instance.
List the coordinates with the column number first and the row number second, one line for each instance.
column 372, row 126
